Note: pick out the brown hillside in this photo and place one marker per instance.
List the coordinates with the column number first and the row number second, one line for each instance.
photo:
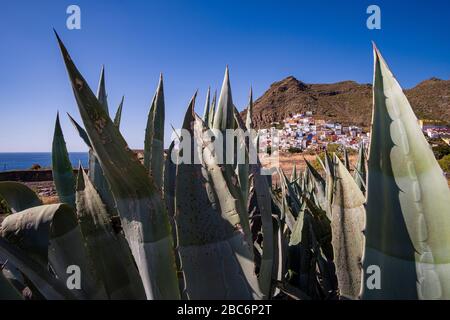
column 346, row 102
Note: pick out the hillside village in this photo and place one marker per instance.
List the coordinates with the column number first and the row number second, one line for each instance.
column 304, row 132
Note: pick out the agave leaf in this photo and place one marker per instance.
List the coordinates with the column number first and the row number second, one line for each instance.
column 81, row 132
column 319, row 188
column 18, row 196
column 170, row 171
column 300, row 254
column 96, row 172
column 248, row 120
column 346, row 160
column 360, row 171
column 118, row 116
column 280, row 251
column 224, row 115
column 50, row 287
column 109, row 252
column 212, row 110
column 264, row 206
column 142, row 212
column 207, row 111
column 408, row 200
column 98, row 178
column 316, row 175
column 347, row 223
column 322, row 227
column 227, row 118
column 329, row 181
column 101, row 91
column 294, row 173
column 154, row 137
column 50, row 234
column 62, row 168
column 243, row 169
column 321, row 163
column 360, row 179
column 291, row 204
column 215, row 258
column 7, row 290
column 296, row 234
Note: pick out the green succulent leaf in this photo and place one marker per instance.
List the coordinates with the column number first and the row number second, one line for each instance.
column 360, row 171
column 216, row 260
column 50, row 287
column 96, row 173
column 212, row 110
column 262, row 209
column 118, row 116
column 248, row 119
column 408, row 201
column 101, row 91
column 50, row 234
column 18, row 196
column 7, row 290
column 62, row 168
column 346, row 160
column 224, row 115
column 207, row 111
column 154, row 137
column 347, row 224
column 142, row 212
column 81, row 132
column 108, row 250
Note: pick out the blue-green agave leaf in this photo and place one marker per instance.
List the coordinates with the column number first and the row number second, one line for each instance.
column 142, row 212
column 118, row 116
column 212, row 110
column 154, row 137
column 81, row 132
column 408, row 201
column 347, row 224
column 50, row 287
column 62, row 168
column 207, row 110
column 360, row 170
column 18, row 196
column 108, row 250
column 224, row 115
column 101, row 91
column 50, row 234
column 215, row 258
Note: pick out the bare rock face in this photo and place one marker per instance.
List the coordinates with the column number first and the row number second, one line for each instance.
column 347, row 102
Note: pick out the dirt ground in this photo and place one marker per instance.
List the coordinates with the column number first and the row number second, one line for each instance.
column 45, row 190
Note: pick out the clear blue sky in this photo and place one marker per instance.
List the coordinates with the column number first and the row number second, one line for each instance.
column 191, row 42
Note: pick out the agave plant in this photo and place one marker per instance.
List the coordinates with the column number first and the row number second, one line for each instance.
column 165, row 229
column 408, row 201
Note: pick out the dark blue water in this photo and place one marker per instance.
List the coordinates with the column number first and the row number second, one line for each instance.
column 24, row 160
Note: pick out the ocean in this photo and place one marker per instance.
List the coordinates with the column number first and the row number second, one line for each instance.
column 25, row 160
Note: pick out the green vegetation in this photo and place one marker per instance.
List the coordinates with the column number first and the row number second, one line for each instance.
column 295, row 150
column 4, row 208
column 36, row 166
column 444, row 162
column 441, row 150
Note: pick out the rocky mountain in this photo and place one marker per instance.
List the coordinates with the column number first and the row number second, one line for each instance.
column 347, row 102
